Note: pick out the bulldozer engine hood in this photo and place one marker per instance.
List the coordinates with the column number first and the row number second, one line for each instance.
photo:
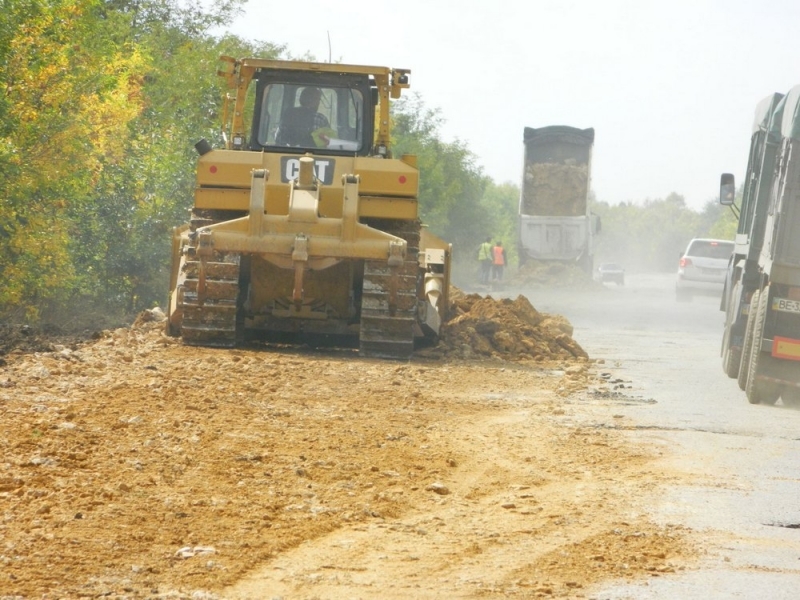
column 231, row 169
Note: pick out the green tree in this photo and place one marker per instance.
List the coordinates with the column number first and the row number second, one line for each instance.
column 104, row 101
column 141, row 197
column 720, row 221
column 452, row 185
column 651, row 235
column 502, row 201
column 69, row 96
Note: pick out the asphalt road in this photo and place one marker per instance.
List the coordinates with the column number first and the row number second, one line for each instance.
column 743, row 460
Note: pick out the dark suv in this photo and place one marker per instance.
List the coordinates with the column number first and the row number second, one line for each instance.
column 611, row 273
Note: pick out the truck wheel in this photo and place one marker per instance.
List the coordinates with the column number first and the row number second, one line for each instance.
column 586, row 263
column 744, row 366
column 759, row 392
column 731, row 358
column 791, row 397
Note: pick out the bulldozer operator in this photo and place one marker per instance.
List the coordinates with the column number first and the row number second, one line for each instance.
column 299, row 124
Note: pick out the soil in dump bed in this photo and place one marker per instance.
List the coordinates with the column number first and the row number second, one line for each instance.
column 555, row 189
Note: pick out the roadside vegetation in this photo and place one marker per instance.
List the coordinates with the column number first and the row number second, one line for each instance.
column 651, row 235
column 102, row 103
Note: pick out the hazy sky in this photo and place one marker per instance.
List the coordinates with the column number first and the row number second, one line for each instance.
column 670, row 87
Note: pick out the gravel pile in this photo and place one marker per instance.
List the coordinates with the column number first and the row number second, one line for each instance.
column 482, row 327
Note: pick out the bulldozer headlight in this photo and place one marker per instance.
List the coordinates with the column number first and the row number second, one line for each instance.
column 238, row 142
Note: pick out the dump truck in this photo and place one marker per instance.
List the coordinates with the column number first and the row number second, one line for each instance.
column 555, row 223
column 742, row 277
column 305, row 227
column 770, row 356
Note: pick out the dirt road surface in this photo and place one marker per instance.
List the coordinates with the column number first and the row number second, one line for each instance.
column 135, row 467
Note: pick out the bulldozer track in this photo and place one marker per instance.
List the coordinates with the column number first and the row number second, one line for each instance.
column 209, row 299
column 387, row 328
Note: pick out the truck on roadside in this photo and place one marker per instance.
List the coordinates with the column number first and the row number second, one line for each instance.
column 742, row 276
column 768, row 268
column 555, row 223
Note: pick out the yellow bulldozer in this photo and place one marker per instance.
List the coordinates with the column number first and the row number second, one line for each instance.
column 305, row 228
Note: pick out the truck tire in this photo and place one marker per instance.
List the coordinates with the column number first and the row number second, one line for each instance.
column 759, row 392
column 731, row 358
column 586, row 264
column 744, row 365
column 791, row 397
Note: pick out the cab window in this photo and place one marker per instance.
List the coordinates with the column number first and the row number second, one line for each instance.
column 314, row 117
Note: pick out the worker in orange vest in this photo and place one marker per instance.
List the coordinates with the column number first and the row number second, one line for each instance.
column 498, row 261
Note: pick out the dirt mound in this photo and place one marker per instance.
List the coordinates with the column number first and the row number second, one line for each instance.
column 508, row 329
column 150, row 319
column 45, row 338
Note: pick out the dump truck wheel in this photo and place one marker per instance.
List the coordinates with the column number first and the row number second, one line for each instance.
column 759, row 391
column 731, row 357
column 791, row 397
column 744, row 364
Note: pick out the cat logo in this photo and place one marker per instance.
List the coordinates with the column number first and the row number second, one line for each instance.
column 323, row 169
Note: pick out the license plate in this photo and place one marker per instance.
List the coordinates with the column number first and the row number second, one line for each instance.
column 786, row 305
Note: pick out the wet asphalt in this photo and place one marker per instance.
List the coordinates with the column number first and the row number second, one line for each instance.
column 743, row 461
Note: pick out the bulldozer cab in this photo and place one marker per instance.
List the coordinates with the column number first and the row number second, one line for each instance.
column 301, row 107
column 320, row 113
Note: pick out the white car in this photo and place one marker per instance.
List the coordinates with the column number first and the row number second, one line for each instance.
column 702, row 268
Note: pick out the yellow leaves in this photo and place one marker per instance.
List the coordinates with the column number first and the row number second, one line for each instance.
column 109, row 112
column 40, row 259
column 71, row 95
column 71, row 104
